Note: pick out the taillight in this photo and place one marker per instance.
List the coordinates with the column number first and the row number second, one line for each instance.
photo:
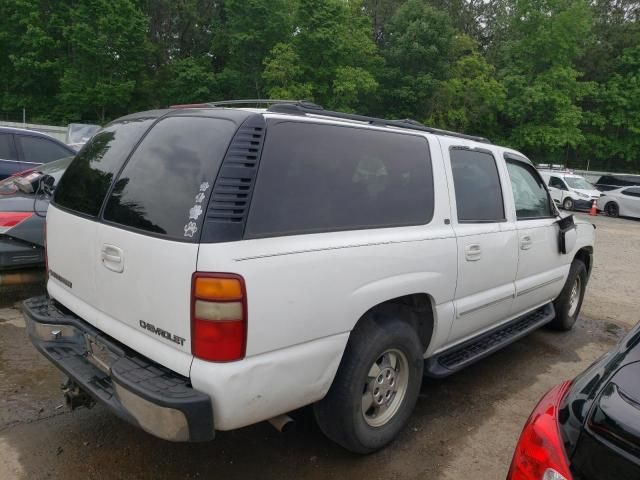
column 8, row 220
column 540, row 454
column 218, row 317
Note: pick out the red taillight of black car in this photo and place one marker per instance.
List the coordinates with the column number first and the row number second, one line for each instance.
column 8, row 220
column 540, row 453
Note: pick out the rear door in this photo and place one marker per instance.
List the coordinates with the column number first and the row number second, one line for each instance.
column 72, row 219
column 146, row 248
column 541, row 268
column 486, row 240
column 630, row 202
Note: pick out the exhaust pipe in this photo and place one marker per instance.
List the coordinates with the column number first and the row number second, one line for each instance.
column 11, row 279
column 282, row 423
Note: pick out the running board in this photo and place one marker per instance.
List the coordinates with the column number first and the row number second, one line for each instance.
column 459, row 356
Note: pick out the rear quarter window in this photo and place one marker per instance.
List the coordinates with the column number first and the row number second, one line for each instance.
column 165, row 185
column 319, row 178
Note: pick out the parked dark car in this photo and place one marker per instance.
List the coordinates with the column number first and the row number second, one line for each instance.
column 22, row 227
column 22, row 149
column 612, row 182
column 588, row 428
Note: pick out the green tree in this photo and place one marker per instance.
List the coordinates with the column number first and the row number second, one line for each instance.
column 330, row 55
column 108, row 52
column 471, row 99
column 418, row 52
column 537, row 66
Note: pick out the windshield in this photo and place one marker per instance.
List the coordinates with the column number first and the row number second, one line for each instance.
column 579, row 183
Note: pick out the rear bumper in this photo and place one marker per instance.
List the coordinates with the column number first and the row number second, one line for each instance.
column 144, row 393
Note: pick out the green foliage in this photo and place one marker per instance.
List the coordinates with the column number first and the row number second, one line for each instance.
column 558, row 79
column 329, row 57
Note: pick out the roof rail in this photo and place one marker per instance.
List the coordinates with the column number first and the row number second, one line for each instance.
column 247, row 101
column 307, row 108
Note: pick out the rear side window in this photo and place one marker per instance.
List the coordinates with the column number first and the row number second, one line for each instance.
column 7, row 148
column 319, row 178
column 164, row 187
column 84, row 185
column 41, row 150
column 477, row 185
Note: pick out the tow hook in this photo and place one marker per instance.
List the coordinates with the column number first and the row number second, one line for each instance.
column 75, row 397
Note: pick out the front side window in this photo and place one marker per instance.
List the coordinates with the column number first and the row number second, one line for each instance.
column 41, row 150
column 7, row 148
column 529, row 193
column 477, row 186
column 86, row 181
column 164, row 187
column 318, row 178
column 555, row 182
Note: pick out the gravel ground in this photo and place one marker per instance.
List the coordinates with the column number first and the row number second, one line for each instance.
column 464, row 426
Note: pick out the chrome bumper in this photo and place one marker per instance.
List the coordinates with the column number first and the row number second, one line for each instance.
column 136, row 389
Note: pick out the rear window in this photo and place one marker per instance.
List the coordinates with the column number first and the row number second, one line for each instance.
column 318, row 178
column 164, row 187
column 84, row 185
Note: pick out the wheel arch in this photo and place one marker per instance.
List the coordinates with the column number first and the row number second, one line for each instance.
column 417, row 309
column 585, row 255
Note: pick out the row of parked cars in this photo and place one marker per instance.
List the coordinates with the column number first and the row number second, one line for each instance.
column 331, row 263
column 616, row 195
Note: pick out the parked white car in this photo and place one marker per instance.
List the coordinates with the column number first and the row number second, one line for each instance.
column 624, row 202
column 210, row 268
column 570, row 191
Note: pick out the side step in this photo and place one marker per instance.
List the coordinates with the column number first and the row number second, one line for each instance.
column 459, row 356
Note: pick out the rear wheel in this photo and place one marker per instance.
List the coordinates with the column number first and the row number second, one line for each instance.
column 567, row 204
column 376, row 387
column 612, row 209
column 569, row 302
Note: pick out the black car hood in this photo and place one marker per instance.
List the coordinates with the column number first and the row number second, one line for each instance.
column 30, row 230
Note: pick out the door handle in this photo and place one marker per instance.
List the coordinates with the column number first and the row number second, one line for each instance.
column 112, row 258
column 526, row 242
column 473, row 252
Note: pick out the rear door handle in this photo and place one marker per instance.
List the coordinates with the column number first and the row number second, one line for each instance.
column 112, row 258
column 473, row 252
column 526, row 242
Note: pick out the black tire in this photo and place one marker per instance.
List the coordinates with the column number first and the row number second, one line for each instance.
column 340, row 414
column 611, row 209
column 565, row 317
column 567, row 204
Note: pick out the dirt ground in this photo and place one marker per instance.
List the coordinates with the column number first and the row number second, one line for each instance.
column 465, row 426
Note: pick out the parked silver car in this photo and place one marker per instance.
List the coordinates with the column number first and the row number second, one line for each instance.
column 624, row 202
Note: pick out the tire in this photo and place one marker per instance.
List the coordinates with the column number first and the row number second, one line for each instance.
column 612, row 209
column 341, row 413
column 568, row 303
column 567, row 204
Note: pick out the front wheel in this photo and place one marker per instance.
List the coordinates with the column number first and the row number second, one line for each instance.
column 567, row 204
column 376, row 387
column 569, row 302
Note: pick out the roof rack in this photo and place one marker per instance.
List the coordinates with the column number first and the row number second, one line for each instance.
column 304, row 107
column 308, row 108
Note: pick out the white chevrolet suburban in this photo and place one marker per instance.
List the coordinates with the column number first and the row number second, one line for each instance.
column 214, row 267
